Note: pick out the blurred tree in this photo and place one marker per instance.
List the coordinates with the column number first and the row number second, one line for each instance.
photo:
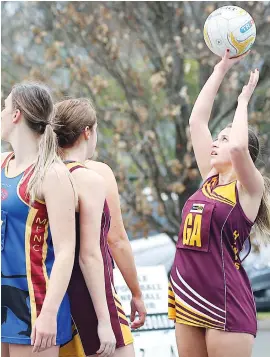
column 143, row 64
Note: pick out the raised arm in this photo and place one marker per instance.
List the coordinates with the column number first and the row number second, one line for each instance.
column 247, row 174
column 200, row 116
column 91, row 192
column 119, row 243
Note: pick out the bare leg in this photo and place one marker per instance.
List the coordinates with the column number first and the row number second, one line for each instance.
column 4, row 349
column 27, row 351
column 224, row 344
column 190, row 341
column 126, row 351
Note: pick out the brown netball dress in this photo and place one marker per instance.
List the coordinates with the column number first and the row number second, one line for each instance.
column 85, row 339
column 209, row 287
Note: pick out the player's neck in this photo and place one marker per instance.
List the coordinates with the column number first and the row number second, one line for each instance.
column 74, row 154
column 25, row 147
column 226, row 177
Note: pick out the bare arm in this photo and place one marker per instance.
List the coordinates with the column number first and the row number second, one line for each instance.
column 200, row 116
column 118, row 239
column 117, row 236
column 60, row 203
column 119, row 242
column 91, row 191
column 247, row 174
column 198, row 122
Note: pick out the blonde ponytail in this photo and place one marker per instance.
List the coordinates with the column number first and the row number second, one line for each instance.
column 36, row 105
column 262, row 223
column 47, row 155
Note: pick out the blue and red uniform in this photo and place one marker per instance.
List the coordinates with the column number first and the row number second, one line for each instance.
column 27, row 258
column 208, row 286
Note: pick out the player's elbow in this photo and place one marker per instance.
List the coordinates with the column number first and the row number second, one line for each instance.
column 119, row 245
column 89, row 258
column 238, row 149
column 65, row 252
column 117, row 236
column 192, row 122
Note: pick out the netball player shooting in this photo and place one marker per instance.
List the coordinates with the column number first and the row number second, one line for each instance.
column 210, row 297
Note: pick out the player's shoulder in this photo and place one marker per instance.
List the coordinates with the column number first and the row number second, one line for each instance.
column 86, row 176
column 4, row 155
column 101, row 168
column 56, row 171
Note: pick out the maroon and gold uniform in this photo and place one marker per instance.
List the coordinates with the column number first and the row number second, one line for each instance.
column 85, row 339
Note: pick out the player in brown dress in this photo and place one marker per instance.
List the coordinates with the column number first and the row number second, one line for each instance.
column 77, row 137
column 210, row 297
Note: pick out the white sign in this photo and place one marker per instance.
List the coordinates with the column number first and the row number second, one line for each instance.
column 157, row 336
column 154, row 285
column 155, row 344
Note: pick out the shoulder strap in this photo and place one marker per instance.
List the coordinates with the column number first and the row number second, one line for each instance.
column 74, row 165
column 8, row 157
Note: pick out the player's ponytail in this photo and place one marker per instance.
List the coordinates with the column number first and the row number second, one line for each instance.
column 47, row 155
column 263, row 218
column 35, row 103
column 262, row 222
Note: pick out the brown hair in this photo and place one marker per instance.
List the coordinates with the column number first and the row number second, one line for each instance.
column 72, row 117
column 36, row 105
column 263, row 218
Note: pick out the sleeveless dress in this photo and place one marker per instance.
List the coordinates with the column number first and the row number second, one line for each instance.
column 27, row 258
column 85, row 340
column 208, row 286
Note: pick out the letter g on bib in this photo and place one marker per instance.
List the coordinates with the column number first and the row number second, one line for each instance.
column 195, row 227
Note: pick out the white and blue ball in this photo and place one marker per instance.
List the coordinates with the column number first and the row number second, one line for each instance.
column 229, row 27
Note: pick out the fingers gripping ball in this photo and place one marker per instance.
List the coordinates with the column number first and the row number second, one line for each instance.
column 229, row 27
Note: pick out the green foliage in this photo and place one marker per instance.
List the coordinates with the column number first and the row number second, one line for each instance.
column 191, row 79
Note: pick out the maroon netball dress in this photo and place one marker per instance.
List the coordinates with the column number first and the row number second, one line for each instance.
column 85, row 339
column 208, row 286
